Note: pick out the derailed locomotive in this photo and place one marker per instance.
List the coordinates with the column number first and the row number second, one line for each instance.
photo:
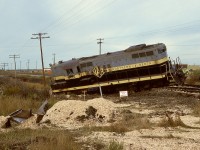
column 135, row 68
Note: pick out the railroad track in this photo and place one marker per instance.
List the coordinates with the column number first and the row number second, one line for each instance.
column 185, row 89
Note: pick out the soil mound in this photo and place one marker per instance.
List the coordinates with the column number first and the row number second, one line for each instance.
column 76, row 113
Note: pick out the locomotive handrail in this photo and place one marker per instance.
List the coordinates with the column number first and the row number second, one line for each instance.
column 170, row 68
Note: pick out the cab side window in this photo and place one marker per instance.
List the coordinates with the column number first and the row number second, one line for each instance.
column 69, row 71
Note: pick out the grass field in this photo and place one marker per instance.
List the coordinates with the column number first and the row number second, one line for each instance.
column 29, row 94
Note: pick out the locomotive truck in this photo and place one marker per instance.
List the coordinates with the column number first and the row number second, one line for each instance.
column 135, row 68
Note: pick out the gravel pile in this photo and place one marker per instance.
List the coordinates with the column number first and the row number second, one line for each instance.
column 75, row 113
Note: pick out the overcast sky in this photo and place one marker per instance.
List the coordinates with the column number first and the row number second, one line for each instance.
column 75, row 25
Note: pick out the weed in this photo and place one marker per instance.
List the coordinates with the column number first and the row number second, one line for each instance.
column 96, row 144
column 135, row 120
column 171, row 121
column 114, row 145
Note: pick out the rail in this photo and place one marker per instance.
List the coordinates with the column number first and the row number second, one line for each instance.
column 194, row 89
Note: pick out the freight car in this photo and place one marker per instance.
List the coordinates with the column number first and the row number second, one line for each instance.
column 135, row 68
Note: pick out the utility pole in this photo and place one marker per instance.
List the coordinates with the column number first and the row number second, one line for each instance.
column 100, row 42
column 40, row 37
column 14, row 57
column 4, row 65
column 10, row 66
column 54, row 58
column 28, row 65
column 1, row 68
column 20, row 65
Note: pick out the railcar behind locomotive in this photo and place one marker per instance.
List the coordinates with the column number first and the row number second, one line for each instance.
column 135, row 68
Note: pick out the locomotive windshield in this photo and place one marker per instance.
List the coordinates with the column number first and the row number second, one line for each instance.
column 161, row 50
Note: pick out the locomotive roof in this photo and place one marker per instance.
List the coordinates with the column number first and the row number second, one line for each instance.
column 68, row 64
column 74, row 62
column 129, row 49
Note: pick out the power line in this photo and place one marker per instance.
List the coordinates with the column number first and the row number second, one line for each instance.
column 40, row 37
column 173, row 29
column 73, row 17
column 59, row 19
column 87, row 16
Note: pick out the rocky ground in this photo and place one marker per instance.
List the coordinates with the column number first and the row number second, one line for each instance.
column 161, row 119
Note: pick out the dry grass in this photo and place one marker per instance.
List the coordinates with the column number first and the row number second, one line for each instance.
column 128, row 122
column 174, row 121
column 39, row 139
column 169, row 121
column 22, row 95
column 12, row 87
column 169, row 136
column 115, row 127
column 194, row 78
column 196, row 109
column 8, row 104
column 134, row 120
